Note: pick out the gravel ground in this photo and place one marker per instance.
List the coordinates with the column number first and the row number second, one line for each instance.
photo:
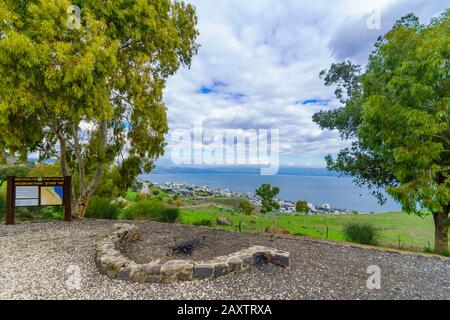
column 34, row 258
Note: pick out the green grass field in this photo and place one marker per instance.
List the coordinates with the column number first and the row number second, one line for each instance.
column 397, row 230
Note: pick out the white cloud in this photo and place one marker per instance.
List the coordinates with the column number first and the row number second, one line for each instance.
column 261, row 58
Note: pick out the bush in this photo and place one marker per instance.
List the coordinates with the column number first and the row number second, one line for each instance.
column 246, row 207
column 101, row 208
column 302, row 206
column 51, row 213
column 204, row 223
column 151, row 210
column 143, row 196
column 362, row 233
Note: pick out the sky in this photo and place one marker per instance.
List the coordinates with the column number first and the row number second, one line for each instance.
column 259, row 62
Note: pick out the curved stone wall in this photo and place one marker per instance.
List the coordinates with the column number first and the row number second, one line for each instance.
column 111, row 262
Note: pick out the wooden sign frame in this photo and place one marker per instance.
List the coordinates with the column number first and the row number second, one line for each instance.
column 13, row 182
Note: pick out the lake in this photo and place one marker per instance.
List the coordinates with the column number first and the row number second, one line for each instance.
column 339, row 192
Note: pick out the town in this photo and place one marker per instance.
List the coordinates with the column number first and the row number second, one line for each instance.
column 195, row 192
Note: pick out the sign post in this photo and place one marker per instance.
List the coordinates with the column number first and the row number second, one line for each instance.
column 10, row 201
column 39, row 192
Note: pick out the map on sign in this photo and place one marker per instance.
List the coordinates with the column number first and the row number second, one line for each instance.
column 52, row 196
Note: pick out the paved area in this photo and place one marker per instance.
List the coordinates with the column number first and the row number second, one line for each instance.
column 37, row 262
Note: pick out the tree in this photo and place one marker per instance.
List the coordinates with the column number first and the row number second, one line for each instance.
column 396, row 113
column 302, row 206
column 267, row 195
column 246, row 207
column 90, row 96
column 13, row 170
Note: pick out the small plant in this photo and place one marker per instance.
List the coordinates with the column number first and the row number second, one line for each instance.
column 151, row 210
column 101, row 208
column 246, row 207
column 204, row 223
column 362, row 233
column 169, row 215
column 143, row 196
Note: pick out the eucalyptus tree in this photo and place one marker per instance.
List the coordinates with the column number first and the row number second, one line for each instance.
column 83, row 80
column 396, row 112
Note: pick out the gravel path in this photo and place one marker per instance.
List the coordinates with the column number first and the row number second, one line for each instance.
column 34, row 258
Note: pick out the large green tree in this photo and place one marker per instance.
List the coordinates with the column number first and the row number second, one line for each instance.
column 267, row 193
column 396, row 113
column 90, row 93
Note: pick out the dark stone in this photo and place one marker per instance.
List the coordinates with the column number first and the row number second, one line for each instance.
column 203, row 271
column 124, row 273
column 220, row 269
column 235, row 264
column 281, row 260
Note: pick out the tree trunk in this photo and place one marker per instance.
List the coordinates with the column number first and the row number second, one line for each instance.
column 82, row 204
column 441, row 232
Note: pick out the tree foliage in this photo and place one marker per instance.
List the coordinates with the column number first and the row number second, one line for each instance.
column 246, row 207
column 13, row 170
column 267, row 195
column 397, row 114
column 302, row 206
column 90, row 96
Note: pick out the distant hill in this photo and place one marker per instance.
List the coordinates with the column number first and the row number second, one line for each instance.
column 241, row 170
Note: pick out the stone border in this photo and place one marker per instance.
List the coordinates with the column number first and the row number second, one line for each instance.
column 116, row 266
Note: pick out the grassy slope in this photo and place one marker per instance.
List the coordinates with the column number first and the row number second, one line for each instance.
column 414, row 232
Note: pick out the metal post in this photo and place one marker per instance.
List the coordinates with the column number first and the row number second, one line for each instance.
column 10, row 201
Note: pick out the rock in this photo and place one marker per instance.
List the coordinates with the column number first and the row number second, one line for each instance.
column 203, row 271
column 221, row 221
column 220, row 269
column 234, row 264
column 276, row 230
column 281, row 258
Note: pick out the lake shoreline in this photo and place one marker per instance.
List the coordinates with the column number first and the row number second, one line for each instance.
column 339, row 192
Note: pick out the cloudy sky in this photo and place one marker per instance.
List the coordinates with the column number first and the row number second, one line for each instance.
column 259, row 61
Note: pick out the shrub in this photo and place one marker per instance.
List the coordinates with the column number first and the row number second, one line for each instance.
column 169, row 215
column 101, row 208
column 204, row 223
column 362, row 233
column 51, row 213
column 143, row 196
column 302, row 206
column 246, row 207
column 151, row 210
